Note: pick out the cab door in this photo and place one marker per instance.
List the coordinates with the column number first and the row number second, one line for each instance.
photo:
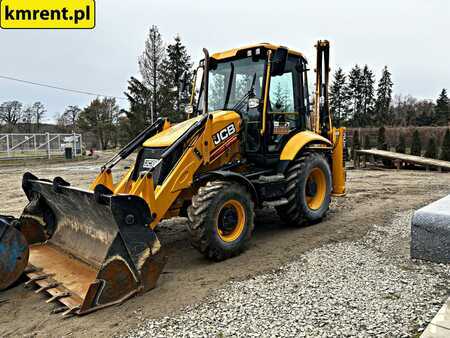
column 287, row 110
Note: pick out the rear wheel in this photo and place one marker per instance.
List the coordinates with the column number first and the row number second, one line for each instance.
column 221, row 219
column 308, row 190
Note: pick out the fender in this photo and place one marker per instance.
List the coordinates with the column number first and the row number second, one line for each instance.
column 230, row 175
column 298, row 141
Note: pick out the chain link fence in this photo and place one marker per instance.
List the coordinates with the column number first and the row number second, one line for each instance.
column 47, row 145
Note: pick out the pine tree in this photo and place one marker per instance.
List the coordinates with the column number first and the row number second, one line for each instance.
column 347, row 155
column 355, row 92
column 381, row 139
column 445, row 149
column 368, row 97
column 416, row 145
column 401, row 146
column 150, row 63
column 442, row 109
column 339, row 98
column 173, row 66
column 367, row 144
column 384, row 97
column 356, row 143
column 140, row 99
column 280, row 99
column 431, row 151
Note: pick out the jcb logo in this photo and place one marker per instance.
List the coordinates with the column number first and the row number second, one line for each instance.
column 224, row 134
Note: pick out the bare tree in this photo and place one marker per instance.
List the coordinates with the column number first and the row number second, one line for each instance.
column 27, row 118
column 100, row 117
column 150, row 66
column 68, row 119
column 10, row 114
column 38, row 113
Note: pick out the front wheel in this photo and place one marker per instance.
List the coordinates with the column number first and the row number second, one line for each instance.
column 221, row 219
column 308, row 190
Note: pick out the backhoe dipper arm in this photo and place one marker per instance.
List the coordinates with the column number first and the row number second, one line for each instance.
column 322, row 118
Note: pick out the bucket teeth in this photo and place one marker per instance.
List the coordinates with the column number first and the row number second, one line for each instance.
column 38, row 277
column 71, row 311
column 30, row 269
column 59, row 310
column 47, row 287
column 58, row 296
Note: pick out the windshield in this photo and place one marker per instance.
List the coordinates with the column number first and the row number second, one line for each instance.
column 231, row 80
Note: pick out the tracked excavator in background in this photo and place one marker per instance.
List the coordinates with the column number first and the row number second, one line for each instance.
column 250, row 140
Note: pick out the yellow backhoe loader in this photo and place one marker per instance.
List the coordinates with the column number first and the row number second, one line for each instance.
column 251, row 140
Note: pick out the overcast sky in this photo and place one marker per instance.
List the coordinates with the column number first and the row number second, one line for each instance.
column 410, row 36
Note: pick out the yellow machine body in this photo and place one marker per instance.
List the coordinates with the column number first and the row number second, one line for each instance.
column 203, row 151
column 295, row 145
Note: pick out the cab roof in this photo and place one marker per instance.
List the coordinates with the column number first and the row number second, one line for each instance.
column 232, row 52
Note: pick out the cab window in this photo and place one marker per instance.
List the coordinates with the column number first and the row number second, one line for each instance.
column 284, row 94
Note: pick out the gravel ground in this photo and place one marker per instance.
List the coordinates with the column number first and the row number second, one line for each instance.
column 369, row 287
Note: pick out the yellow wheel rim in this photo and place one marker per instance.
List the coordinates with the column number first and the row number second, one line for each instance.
column 316, row 188
column 230, row 221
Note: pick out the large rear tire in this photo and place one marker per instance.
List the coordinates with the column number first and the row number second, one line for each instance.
column 221, row 219
column 308, row 190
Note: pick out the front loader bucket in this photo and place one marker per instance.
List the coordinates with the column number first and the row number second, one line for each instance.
column 13, row 252
column 100, row 250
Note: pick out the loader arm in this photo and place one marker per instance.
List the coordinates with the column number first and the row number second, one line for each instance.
column 105, row 177
column 161, row 198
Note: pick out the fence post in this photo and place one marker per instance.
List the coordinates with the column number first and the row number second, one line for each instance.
column 7, row 146
column 81, row 145
column 74, row 139
column 48, row 146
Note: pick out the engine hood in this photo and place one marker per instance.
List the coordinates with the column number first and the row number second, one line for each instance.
column 168, row 136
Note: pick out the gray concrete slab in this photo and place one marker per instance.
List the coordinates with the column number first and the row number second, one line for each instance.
column 430, row 232
column 440, row 325
column 433, row 331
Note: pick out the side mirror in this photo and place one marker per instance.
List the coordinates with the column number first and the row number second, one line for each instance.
column 279, row 61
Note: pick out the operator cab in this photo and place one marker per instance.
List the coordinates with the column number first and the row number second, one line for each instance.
column 267, row 86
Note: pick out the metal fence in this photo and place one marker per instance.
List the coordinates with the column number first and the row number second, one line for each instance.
column 39, row 145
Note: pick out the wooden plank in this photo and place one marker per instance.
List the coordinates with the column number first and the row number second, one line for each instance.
column 427, row 162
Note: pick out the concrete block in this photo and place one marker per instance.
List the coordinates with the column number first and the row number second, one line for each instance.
column 440, row 325
column 430, row 232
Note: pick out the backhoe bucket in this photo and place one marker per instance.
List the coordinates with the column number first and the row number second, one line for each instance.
column 91, row 249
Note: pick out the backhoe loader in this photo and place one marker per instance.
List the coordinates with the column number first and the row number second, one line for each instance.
column 253, row 138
